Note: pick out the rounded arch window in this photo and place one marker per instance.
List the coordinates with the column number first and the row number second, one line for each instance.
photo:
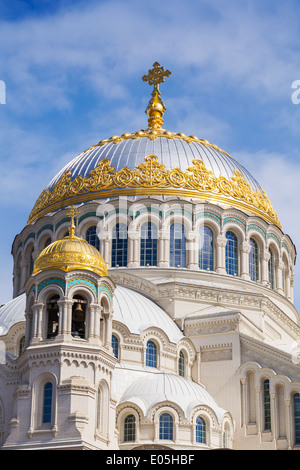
column 31, row 262
column 206, row 257
column 79, row 316
column 177, row 246
column 253, row 260
column 148, row 252
column 129, row 428
column 266, row 405
column 166, row 427
column 92, row 237
column 21, row 345
column 231, row 254
column 151, row 354
column 119, row 245
column 47, row 403
column 47, row 242
column 52, row 316
column 271, row 266
column 200, row 430
column 115, row 346
column 181, row 364
column 296, row 403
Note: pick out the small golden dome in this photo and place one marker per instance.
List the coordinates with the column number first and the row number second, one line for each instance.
column 71, row 253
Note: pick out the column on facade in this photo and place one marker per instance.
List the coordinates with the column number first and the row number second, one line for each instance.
column 192, row 250
column 38, row 317
column 289, row 421
column 105, row 246
column 265, row 267
column 274, row 423
column 108, row 329
column 279, row 273
column 245, row 252
column 258, row 408
column 65, row 318
column 23, row 272
column 163, row 258
column 221, row 242
column 133, row 248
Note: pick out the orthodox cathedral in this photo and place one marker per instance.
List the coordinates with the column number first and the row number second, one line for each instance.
column 152, row 304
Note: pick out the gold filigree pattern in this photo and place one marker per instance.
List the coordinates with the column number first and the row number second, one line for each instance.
column 152, row 174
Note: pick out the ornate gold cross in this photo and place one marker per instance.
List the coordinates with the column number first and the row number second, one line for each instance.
column 156, row 75
column 72, row 213
column 156, row 107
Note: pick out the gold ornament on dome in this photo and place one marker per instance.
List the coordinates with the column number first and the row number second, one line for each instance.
column 151, row 177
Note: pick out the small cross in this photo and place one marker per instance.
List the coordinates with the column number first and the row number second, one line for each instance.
column 156, row 75
column 72, row 213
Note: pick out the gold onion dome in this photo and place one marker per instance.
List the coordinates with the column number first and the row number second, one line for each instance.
column 158, row 162
column 71, row 253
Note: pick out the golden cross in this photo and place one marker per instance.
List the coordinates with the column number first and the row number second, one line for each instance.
column 72, row 213
column 156, row 75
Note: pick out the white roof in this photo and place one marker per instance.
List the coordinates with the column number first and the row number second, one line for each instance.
column 12, row 312
column 138, row 313
column 157, row 387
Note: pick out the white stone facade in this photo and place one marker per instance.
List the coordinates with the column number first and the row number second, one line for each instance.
column 231, row 333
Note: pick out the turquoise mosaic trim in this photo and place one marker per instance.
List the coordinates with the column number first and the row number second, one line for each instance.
column 56, row 281
column 228, row 220
column 101, row 288
column 284, row 245
column 31, row 235
column 271, row 235
column 89, row 214
column 86, row 282
column 256, row 227
column 65, row 219
column 210, row 215
column 182, row 212
column 45, row 227
column 31, row 290
column 151, row 210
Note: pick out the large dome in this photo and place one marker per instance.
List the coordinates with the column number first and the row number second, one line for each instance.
column 155, row 162
column 152, row 162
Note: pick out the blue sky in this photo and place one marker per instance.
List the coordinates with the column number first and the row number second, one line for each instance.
column 73, row 69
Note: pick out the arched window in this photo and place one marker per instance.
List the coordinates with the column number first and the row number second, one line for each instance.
column 253, row 260
column 177, row 246
column 52, row 316
column 267, row 405
column 231, row 254
column 21, row 345
column 181, row 364
column 148, row 254
column 47, row 242
column 115, row 346
column 206, row 260
column 47, row 403
column 166, row 427
column 151, row 354
column 296, row 400
column 200, row 430
column 78, row 317
column 129, row 428
column 271, row 269
column 92, row 237
column 119, row 245
column 31, row 262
